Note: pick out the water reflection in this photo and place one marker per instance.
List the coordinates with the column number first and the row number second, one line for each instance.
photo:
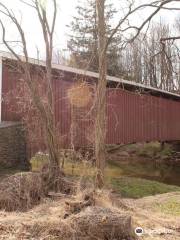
column 148, row 169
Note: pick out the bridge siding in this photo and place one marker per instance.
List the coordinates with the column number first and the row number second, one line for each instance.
column 132, row 117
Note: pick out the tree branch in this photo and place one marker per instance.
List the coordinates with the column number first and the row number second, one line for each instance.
column 169, row 38
column 131, row 11
column 6, row 43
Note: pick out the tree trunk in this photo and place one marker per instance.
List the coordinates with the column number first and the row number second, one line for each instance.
column 100, row 121
column 46, row 110
column 54, row 166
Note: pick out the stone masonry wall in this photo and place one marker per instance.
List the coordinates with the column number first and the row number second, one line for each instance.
column 12, row 145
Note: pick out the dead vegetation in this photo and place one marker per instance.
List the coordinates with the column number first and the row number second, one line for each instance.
column 46, row 221
column 77, row 211
column 89, row 217
column 80, row 214
column 21, row 191
column 58, row 184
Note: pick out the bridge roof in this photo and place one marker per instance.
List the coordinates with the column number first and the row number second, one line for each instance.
column 130, row 85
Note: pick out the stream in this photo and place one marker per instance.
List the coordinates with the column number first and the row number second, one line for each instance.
column 161, row 172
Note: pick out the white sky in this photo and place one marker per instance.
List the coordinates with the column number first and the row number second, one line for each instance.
column 66, row 9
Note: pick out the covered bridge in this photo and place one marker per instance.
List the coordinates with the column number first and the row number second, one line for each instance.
column 135, row 112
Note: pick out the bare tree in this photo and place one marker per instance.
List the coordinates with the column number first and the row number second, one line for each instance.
column 123, row 26
column 100, row 123
column 46, row 110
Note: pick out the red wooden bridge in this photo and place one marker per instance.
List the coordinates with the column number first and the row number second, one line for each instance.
column 135, row 112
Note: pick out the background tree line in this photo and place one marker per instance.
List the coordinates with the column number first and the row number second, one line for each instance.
column 146, row 60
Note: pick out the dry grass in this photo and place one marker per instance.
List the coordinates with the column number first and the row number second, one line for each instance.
column 20, row 192
column 148, row 213
column 46, row 220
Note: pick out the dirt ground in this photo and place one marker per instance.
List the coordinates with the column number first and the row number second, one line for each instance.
column 43, row 221
column 158, row 216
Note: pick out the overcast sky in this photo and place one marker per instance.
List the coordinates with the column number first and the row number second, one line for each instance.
column 66, row 9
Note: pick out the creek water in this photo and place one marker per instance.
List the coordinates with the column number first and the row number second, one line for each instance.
column 151, row 170
column 128, row 167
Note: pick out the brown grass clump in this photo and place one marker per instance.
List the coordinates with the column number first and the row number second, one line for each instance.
column 93, row 223
column 20, row 192
column 46, row 221
column 101, row 223
column 47, row 230
column 87, row 222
